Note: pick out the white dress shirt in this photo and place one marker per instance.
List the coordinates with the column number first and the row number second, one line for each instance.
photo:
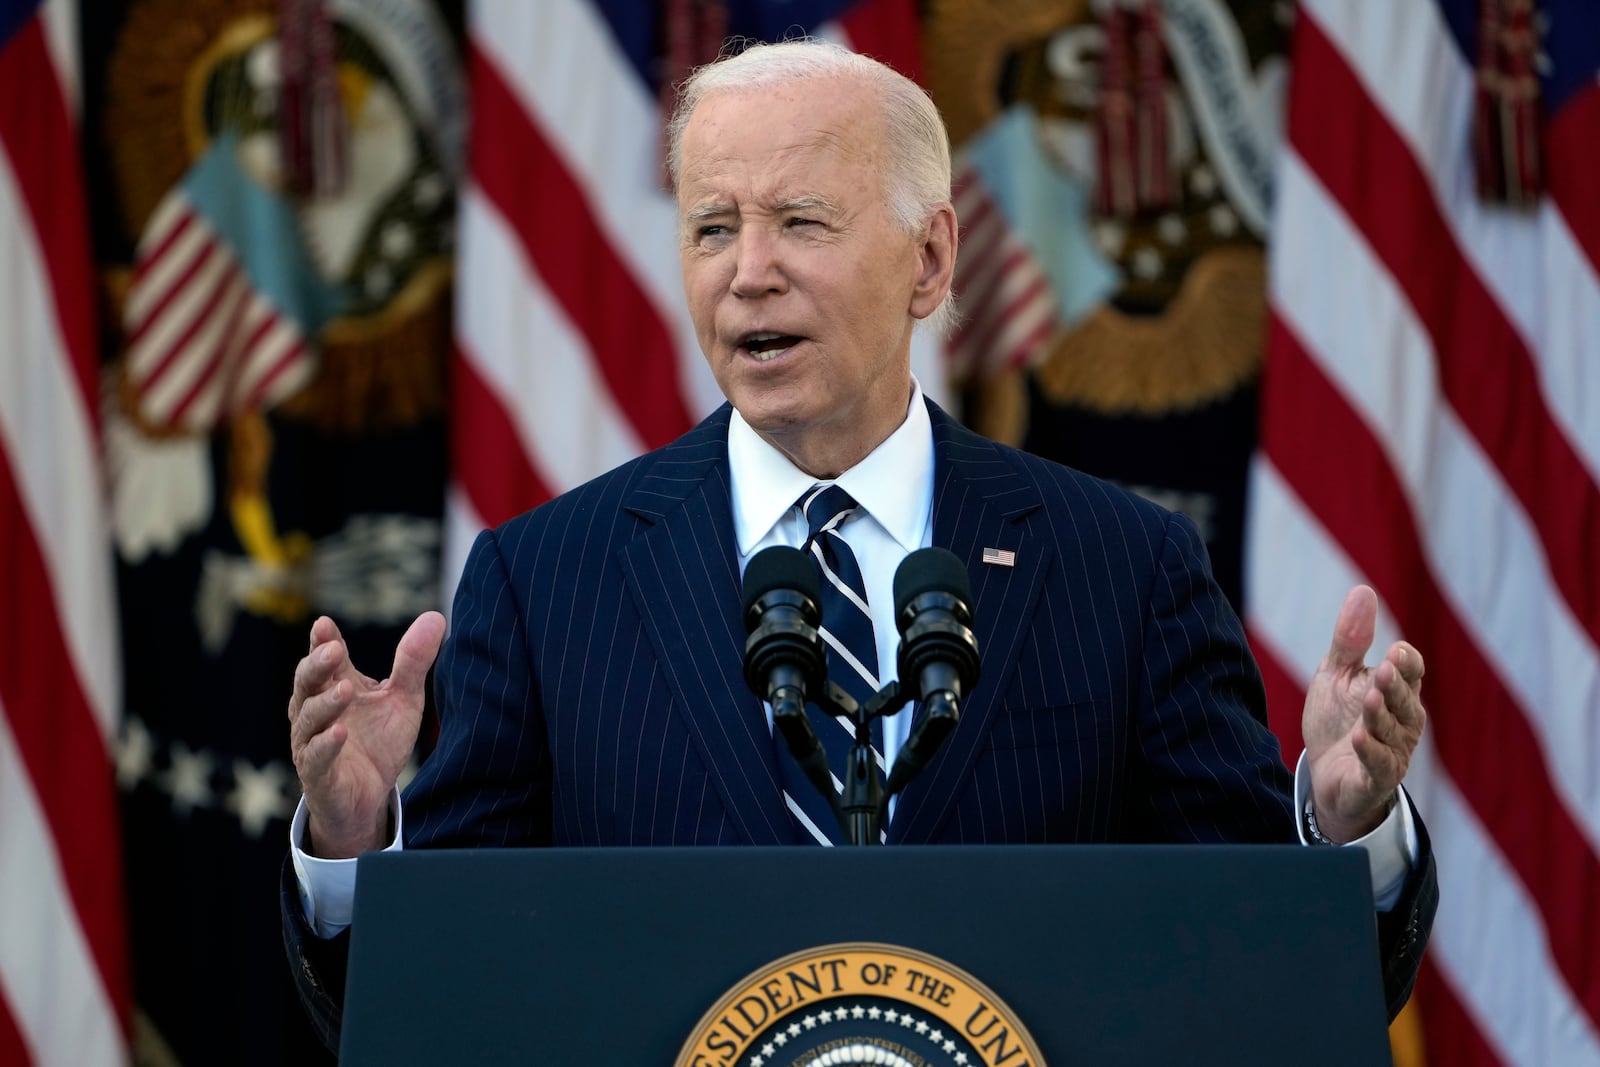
column 894, row 487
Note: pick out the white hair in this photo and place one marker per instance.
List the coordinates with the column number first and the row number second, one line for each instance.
column 917, row 179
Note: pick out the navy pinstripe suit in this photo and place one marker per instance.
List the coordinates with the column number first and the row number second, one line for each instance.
column 592, row 689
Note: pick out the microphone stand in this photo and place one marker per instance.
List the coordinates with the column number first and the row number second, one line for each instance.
column 784, row 659
column 863, row 806
column 863, row 802
column 784, row 663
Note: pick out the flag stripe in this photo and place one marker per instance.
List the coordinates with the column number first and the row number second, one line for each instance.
column 1484, row 550
column 629, row 341
column 1009, row 303
column 1031, row 325
column 1286, row 696
column 51, row 440
column 60, row 23
column 529, row 356
column 176, row 234
column 192, row 320
column 1505, row 964
column 1489, row 379
column 37, row 138
column 173, row 308
column 1506, row 784
column 13, row 1048
column 1464, row 337
column 49, row 983
column 63, row 965
column 48, row 394
column 1410, row 69
column 506, row 487
column 1299, row 563
column 279, row 369
column 985, row 239
column 995, row 281
column 1571, row 136
column 887, row 30
column 58, row 739
column 1033, row 304
column 1453, row 1036
column 263, row 347
column 604, row 122
column 221, row 345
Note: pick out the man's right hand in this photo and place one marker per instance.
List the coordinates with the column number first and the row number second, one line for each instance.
column 350, row 736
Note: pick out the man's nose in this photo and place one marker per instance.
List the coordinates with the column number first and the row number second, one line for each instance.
column 758, row 263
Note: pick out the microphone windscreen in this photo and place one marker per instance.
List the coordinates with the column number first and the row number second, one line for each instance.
column 779, row 567
column 930, row 570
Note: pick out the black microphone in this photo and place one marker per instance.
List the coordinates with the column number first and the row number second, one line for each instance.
column 938, row 660
column 784, row 657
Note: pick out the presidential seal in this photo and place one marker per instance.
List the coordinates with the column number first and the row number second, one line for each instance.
column 860, row 1003
column 287, row 177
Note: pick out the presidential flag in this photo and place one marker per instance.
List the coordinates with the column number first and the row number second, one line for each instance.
column 1431, row 426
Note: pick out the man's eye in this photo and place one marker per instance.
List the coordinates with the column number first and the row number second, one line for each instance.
column 711, row 231
column 802, row 222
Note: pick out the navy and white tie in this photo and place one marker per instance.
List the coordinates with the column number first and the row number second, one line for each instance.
column 852, row 652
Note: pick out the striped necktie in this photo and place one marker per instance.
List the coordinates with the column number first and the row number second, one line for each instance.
column 852, row 651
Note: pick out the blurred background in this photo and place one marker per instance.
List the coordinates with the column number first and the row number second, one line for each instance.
column 297, row 295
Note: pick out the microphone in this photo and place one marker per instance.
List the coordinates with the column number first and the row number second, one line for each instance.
column 784, row 656
column 938, row 660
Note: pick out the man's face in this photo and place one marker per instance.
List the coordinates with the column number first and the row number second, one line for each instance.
column 802, row 288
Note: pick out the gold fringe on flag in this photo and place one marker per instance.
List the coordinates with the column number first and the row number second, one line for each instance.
column 1506, row 124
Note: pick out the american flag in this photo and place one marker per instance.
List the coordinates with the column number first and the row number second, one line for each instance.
column 1431, row 426
column 574, row 349
column 207, row 335
column 64, row 992
column 1009, row 312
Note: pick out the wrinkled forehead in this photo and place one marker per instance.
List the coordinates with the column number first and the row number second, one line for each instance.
column 769, row 137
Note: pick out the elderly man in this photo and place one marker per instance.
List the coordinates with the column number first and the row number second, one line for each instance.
column 591, row 689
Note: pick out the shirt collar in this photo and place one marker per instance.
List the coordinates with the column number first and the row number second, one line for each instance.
column 892, row 484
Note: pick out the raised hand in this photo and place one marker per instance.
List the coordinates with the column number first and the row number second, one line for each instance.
column 351, row 735
column 1361, row 723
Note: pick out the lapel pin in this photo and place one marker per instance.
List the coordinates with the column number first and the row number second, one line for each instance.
column 1000, row 557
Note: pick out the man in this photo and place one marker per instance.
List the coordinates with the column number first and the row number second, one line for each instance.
column 591, row 691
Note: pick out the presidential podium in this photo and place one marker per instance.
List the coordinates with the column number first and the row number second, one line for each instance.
column 1004, row 956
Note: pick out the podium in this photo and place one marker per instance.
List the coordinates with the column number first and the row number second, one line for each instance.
column 1097, row 954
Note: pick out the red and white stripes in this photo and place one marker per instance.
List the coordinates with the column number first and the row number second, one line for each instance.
column 64, row 991
column 1007, row 303
column 570, row 342
column 203, row 342
column 1431, row 425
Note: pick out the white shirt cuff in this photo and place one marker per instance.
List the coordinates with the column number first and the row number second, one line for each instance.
column 328, row 887
column 1391, row 848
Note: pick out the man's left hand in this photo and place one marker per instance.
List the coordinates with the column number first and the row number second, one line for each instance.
column 1361, row 723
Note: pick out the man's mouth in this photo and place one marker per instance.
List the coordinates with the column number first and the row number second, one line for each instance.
column 764, row 346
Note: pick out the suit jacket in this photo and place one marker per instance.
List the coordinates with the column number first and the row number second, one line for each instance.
column 591, row 691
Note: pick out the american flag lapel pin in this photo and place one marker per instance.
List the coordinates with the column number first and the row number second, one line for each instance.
column 1000, row 557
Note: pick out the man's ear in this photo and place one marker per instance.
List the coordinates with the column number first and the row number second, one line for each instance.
column 936, row 263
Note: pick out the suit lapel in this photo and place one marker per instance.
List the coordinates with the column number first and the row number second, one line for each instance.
column 981, row 500
column 684, row 579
